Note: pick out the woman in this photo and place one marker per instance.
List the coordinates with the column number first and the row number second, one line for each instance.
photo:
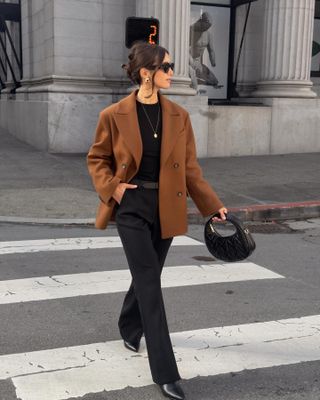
column 143, row 165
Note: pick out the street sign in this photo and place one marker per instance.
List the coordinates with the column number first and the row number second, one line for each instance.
column 146, row 29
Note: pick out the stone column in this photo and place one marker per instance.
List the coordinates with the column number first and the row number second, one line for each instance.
column 174, row 17
column 287, row 43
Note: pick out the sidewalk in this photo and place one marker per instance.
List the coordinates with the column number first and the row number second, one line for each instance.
column 38, row 187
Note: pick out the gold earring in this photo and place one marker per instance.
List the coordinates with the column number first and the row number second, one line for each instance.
column 147, row 80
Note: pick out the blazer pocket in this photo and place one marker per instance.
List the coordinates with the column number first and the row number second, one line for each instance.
column 123, row 196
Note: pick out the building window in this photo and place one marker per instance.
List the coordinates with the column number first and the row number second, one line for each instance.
column 209, row 48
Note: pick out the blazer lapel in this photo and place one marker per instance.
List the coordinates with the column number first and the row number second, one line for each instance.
column 172, row 125
column 128, row 125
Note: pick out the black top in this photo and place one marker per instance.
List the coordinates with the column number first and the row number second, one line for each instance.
column 150, row 162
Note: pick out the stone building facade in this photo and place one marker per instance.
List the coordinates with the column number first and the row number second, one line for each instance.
column 72, row 53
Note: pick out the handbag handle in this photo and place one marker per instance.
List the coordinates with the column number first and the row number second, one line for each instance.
column 233, row 220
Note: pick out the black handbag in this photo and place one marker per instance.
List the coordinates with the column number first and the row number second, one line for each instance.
column 235, row 247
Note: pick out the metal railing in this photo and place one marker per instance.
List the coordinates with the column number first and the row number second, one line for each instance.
column 10, row 47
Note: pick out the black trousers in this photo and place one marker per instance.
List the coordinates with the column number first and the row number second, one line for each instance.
column 143, row 311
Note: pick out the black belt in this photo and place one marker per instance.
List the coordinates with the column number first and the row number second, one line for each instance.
column 145, row 184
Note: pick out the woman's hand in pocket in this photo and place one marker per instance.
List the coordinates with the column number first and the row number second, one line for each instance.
column 120, row 189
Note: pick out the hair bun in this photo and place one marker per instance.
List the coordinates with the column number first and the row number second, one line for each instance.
column 143, row 55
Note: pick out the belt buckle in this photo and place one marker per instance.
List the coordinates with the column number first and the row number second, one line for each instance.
column 149, row 185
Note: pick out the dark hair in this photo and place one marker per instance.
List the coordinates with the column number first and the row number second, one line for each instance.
column 143, row 55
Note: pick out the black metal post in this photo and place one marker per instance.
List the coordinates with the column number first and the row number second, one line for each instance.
column 20, row 41
column 231, row 89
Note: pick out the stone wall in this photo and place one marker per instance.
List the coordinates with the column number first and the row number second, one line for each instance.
column 37, row 38
column 316, row 85
column 281, row 126
column 239, row 130
column 74, row 37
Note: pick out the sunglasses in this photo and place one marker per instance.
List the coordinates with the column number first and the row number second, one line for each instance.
column 166, row 66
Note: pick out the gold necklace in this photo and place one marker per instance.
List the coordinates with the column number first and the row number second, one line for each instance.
column 155, row 134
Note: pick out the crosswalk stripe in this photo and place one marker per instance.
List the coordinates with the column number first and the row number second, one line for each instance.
column 81, row 243
column 103, row 282
column 58, row 374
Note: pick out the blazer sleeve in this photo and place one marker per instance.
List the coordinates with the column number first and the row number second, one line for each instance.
column 205, row 198
column 100, row 160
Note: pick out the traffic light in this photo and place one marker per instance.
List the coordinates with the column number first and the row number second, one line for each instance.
column 146, row 29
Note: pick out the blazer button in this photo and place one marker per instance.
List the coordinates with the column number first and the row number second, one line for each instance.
column 175, row 165
column 179, row 194
column 124, row 166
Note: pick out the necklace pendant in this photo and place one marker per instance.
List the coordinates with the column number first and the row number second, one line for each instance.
column 155, row 135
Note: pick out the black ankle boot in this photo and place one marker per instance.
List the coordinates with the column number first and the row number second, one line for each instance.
column 131, row 346
column 172, row 390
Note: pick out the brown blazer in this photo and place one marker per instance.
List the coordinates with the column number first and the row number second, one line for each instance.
column 116, row 154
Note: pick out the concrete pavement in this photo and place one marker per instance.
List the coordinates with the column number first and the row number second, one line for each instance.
column 37, row 187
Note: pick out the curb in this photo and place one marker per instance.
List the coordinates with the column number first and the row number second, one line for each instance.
column 47, row 221
column 267, row 212
column 262, row 213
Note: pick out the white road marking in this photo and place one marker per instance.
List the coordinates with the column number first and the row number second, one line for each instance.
column 58, row 374
column 81, row 243
column 92, row 283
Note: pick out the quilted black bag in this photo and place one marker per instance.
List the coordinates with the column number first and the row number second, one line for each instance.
column 235, row 247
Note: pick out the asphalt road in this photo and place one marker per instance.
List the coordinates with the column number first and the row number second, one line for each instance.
column 77, row 318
